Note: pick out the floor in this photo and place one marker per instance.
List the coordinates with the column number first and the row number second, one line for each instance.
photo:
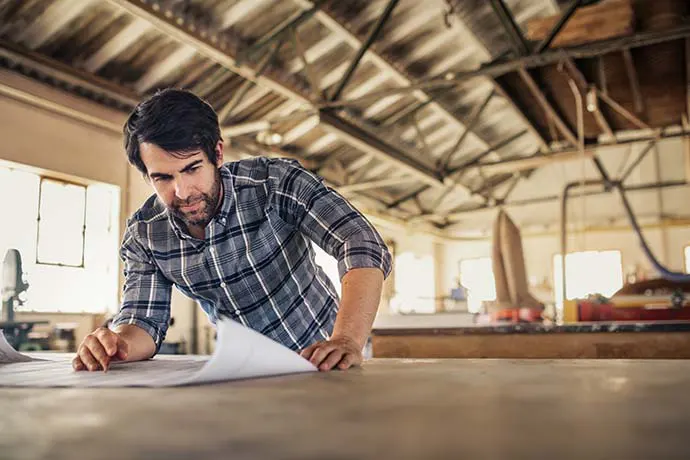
column 398, row 409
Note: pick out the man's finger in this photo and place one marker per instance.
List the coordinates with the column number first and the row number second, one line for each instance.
column 97, row 351
column 348, row 361
column 77, row 365
column 122, row 349
column 331, row 360
column 321, row 352
column 88, row 359
column 306, row 353
column 108, row 339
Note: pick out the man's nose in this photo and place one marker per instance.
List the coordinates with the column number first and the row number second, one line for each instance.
column 182, row 189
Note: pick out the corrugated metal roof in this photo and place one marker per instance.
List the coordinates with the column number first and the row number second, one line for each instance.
column 134, row 47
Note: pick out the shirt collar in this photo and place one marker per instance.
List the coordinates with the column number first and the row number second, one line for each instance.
column 227, row 205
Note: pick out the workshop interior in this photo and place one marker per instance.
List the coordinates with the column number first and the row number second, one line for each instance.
column 527, row 162
column 484, row 140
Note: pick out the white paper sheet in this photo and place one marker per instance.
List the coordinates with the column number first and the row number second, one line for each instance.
column 9, row 354
column 240, row 353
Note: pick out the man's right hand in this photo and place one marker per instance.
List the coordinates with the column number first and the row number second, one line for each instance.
column 99, row 349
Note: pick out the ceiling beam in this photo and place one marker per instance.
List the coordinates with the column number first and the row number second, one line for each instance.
column 366, row 44
column 522, row 47
column 384, row 64
column 550, row 111
column 477, row 159
column 367, row 142
column 622, row 111
column 539, row 137
column 71, row 76
column 530, row 162
column 634, row 81
column 221, row 49
column 562, row 20
column 459, row 214
column 447, row 157
column 554, row 56
column 516, row 38
column 375, row 184
column 591, row 97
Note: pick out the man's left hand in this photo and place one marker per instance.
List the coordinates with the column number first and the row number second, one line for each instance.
column 338, row 352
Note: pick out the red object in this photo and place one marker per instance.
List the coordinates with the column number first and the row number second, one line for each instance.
column 517, row 315
column 592, row 311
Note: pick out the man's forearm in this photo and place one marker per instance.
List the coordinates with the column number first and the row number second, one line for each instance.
column 140, row 344
column 361, row 294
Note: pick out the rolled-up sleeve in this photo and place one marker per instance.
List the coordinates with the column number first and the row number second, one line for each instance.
column 326, row 218
column 146, row 292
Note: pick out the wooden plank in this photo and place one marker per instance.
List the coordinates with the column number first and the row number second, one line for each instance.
column 605, row 20
column 590, row 345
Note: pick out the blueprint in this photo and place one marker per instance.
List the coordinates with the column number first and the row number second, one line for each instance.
column 241, row 353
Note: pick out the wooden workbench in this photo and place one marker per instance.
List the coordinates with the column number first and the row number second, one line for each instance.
column 397, row 409
column 596, row 340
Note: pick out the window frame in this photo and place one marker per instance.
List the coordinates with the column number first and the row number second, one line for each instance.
column 38, row 220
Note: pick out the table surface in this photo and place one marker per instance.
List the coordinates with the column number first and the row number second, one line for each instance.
column 398, row 409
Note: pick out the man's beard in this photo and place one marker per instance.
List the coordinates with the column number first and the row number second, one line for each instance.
column 203, row 215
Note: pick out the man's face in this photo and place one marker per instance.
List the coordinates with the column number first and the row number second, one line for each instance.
column 189, row 187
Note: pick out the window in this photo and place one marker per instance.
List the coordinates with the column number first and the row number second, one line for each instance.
column 589, row 272
column 62, row 209
column 70, row 267
column 477, row 276
column 687, row 259
column 414, row 284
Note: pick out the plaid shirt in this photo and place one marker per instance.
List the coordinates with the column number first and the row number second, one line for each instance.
column 256, row 264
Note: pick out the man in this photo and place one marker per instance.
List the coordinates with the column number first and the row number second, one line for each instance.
column 236, row 238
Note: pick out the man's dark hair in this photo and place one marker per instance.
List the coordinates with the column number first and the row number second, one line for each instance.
column 176, row 121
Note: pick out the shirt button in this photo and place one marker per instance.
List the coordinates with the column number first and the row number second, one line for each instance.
column 212, row 250
column 222, row 221
column 222, row 285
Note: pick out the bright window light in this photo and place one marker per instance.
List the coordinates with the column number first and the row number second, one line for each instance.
column 588, row 272
column 329, row 265
column 477, row 276
column 687, row 259
column 61, row 223
column 414, row 284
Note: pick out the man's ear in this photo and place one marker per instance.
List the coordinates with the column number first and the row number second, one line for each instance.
column 219, row 153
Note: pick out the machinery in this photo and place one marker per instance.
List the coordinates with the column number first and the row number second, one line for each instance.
column 11, row 291
column 657, row 299
column 13, row 284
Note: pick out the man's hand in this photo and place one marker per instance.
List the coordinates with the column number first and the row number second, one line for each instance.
column 340, row 352
column 99, row 349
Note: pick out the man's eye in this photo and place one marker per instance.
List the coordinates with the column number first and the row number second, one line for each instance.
column 161, row 179
column 196, row 168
